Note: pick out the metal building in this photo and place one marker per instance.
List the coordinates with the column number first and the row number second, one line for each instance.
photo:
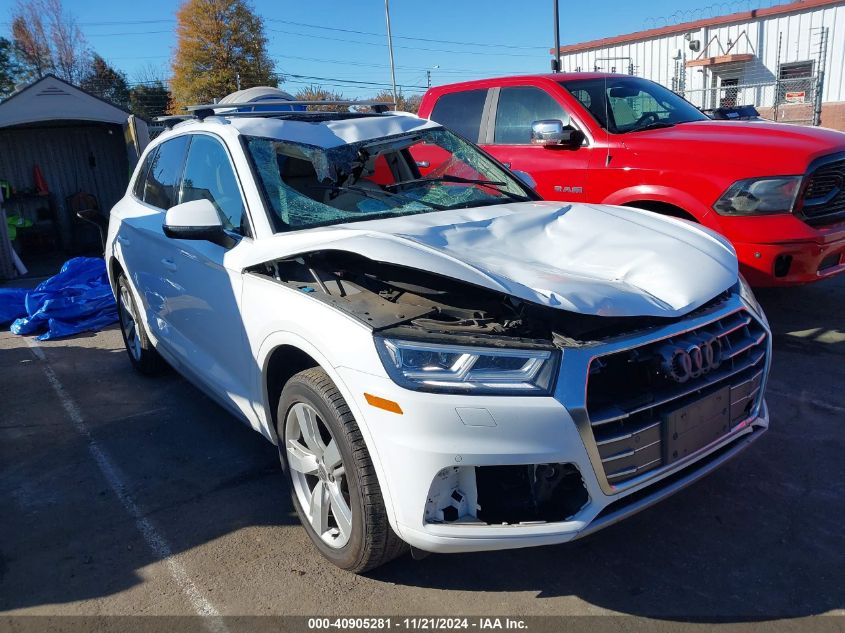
column 787, row 60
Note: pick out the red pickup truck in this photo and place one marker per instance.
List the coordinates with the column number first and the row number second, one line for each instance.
column 776, row 191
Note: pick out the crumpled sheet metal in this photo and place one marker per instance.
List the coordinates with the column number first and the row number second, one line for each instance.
column 590, row 259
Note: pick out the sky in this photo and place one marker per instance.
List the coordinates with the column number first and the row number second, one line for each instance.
column 342, row 45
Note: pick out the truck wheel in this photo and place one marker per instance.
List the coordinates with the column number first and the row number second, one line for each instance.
column 333, row 484
column 142, row 354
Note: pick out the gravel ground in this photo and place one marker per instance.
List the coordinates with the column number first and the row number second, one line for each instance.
column 129, row 495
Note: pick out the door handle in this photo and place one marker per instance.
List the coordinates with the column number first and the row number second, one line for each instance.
column 423, row 163
column 169, row 264
column 123, row 240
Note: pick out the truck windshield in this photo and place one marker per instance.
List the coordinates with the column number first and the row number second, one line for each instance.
column 429, row 170
column 630, row 104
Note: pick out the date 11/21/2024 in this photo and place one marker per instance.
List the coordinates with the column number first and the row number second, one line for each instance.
column 417, row 623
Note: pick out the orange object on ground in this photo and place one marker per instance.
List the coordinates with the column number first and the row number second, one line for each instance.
column 40, row 183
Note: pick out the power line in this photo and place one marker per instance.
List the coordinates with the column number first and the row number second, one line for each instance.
column 326, row 28
column 406, row 37
column 411, row 48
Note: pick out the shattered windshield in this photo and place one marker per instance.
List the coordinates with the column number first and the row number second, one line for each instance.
column 420, row 172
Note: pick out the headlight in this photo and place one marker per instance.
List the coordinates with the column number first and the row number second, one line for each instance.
column 759, row 196
column 472, row 370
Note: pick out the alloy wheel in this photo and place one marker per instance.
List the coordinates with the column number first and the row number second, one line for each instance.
column 318, row 475
column 129, row 324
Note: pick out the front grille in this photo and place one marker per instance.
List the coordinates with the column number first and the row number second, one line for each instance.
column 632, row 398
column 823, row 200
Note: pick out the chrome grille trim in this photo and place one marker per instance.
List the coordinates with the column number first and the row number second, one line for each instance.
column 823, row 197
column 571, row 391
column 710, row 381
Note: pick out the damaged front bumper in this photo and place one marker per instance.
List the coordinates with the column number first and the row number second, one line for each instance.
column 469, row 473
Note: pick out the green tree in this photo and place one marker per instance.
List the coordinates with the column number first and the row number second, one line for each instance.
column 106, row 82
column 149, row 100
column 10, row 70
column 410, row 103
column 220, row 48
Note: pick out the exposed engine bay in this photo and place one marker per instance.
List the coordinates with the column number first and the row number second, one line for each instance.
column 418, row 304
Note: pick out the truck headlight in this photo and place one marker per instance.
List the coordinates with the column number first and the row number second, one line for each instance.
column 759, row 196
column 447, row 368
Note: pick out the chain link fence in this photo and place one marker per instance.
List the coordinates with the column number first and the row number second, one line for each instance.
column 785, row 100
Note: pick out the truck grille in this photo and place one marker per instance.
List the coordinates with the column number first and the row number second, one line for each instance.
column 633, row 399
column 823, row 200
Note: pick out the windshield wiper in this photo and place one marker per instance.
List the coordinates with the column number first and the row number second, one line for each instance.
column 494, row 184
column 379, row 195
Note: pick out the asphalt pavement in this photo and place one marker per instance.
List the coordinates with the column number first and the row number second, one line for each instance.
column 121, row 494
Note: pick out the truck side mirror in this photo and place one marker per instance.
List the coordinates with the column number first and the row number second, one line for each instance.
column 555, row 132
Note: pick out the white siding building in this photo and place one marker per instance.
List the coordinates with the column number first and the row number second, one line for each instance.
column 788, row 60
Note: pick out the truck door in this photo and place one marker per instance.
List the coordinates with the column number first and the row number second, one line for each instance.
column 561, row 173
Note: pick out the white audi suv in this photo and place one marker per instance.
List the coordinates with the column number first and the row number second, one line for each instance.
column 443, row 360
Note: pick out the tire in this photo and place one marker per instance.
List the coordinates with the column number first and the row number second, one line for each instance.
column 361, row 539
column 142, row 354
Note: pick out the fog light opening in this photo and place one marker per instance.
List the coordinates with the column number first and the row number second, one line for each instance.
column 506, row 495
column 782, row 265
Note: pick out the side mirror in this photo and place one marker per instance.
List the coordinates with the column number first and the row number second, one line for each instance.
column 525, row 177
column 196, row 220
column 552, row 132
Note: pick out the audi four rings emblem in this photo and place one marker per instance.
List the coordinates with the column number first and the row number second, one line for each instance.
column 690, row 357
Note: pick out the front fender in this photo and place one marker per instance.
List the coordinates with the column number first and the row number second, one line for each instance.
column 278, row 339
column 666, row 195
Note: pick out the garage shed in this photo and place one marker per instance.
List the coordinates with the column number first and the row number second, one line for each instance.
column 61, row 150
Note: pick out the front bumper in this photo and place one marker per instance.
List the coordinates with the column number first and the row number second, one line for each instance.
column 791, row 263
column 443, row 432
column 783, row 250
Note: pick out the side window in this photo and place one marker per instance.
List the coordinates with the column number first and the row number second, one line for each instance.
column 209, row 175
column 461, row 112
column 517, row 109
column 163, row 177
column 138, row 188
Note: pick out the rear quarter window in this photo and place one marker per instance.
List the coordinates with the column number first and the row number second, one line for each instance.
column 461, row 112
column 162, row 182
column 140, row 179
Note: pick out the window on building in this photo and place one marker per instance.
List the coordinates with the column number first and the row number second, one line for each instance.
column 461, row 112
column 729, row 92
column 796, row 82
column 796, row 70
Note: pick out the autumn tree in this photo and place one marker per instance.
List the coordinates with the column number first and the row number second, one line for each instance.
column 46, row 39
column 220, row 48
column 410, row 103
column 106, row 82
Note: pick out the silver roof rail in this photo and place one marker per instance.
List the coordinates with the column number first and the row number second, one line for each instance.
column 210, row 109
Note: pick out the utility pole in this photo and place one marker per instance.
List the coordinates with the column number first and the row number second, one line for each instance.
column 556, row 60
column 428, row 75
column 390, row 50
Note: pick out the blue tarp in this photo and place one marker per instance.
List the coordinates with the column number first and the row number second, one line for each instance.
column 77, row 299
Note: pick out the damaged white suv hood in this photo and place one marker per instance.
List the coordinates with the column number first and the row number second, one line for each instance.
column 590, row 259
